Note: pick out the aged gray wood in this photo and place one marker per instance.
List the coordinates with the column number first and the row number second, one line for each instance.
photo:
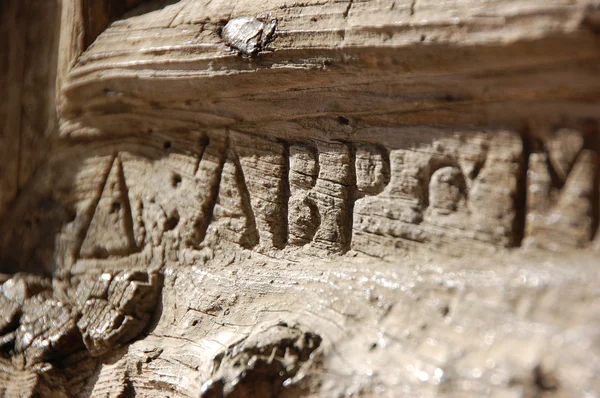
column 29, row 41
column 351, row 198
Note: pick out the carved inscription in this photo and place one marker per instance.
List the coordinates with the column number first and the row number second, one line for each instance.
column 562, row 192
column 263, row 166
column 324, row 183
column 372, row 167
column 154, row 201
column 233, row 187
column 447, row 190
column 455, row 193
column 272, row 195
column 304, row 218
column 112, row 213
column 321, row 188
column 206, row 189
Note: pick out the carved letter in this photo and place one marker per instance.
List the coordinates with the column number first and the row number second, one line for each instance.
column 233, row 218
column 264, row 167
column 111, row 229
column 561, row 188
column 460, row 189
column 303, row 219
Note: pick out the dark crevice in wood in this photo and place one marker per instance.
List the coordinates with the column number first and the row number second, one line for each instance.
column 128, row 221
column 201, row 225
column 520, row 221
column 202, row 144
column 283, row 241
column 251, row 235
column 89, row 214
column 592, row 141
column 353, row 194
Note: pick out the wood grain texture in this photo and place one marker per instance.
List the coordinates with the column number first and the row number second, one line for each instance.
column 327, row 198
column 27, row 77
column 312, row 67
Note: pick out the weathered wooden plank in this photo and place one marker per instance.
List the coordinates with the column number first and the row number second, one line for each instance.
column 13, row 43
column 343, row 198
column 27, row 79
